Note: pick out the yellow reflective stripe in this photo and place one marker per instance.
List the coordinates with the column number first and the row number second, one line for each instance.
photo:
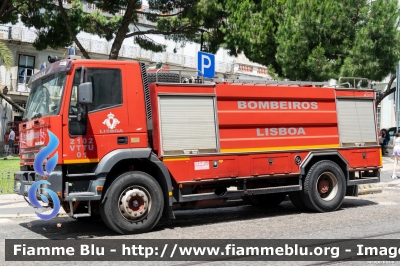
column 176, row 159
column 93, row 160
column 286, row 148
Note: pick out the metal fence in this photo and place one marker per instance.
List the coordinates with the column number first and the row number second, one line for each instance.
column 7, row 181
column 6, row 151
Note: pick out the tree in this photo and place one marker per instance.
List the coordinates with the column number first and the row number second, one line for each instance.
column 251, row 28
column 180, row 20
column 316, row 39
column 6, row 56
column 10, row 9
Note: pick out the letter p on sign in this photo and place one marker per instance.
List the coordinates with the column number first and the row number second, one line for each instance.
column 206, row 64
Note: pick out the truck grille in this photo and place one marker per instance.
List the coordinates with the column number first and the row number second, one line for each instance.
column 28, row 154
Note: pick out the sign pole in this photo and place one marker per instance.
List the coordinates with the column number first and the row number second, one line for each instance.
column 397, row 96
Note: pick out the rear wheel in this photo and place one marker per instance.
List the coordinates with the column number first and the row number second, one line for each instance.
column 297, row 201
column 324, row 187
column 134, row 203
column 267, row 200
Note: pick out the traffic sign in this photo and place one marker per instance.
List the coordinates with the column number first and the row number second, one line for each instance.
column 206, row 64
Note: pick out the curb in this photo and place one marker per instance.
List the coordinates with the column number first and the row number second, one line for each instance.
column 29, row 215
column 376, row 187
column 369, row 189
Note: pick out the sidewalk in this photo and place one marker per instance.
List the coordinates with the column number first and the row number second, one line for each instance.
column 15, row 206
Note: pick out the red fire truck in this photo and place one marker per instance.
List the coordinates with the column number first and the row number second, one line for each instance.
column 129, row 150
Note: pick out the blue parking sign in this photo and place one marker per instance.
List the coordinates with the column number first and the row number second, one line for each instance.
column 206, row 64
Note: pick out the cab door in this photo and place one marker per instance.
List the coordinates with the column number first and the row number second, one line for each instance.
column 96, row 129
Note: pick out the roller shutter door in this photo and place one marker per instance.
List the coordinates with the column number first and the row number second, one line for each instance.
column 187, row 124
column 356, row 122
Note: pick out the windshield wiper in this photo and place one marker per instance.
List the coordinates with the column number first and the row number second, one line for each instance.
column 38, row 115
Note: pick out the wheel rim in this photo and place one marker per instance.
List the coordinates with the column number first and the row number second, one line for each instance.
column 134, row 203
column 327, row 186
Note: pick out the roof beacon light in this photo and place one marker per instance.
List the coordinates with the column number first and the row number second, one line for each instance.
column 73, row 53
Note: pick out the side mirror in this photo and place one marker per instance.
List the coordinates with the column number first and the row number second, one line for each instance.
column 85, row 93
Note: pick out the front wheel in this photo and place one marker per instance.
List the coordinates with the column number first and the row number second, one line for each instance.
column 324, row 187
column 134, row 203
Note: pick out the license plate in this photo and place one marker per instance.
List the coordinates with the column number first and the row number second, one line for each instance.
column 27, row 187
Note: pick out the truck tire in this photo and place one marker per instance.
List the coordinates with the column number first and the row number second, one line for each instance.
column 133, row 203
column 163, row 77
column 267, row 200
column 324, row 187
column 297, row 202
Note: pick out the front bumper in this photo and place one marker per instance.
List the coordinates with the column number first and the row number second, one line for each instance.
column 23, row 180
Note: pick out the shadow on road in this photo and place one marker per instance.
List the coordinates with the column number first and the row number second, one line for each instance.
column 73, row 229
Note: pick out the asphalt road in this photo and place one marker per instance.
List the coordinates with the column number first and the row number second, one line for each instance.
column 366, row 217
column 369, row 216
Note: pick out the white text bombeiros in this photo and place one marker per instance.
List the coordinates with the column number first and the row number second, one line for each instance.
column 277, row 105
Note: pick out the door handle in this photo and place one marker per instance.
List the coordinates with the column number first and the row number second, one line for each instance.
column 122, row 140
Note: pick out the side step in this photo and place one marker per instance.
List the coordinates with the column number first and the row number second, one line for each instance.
column 80, row 196
column 238, row 193
column 79, row 215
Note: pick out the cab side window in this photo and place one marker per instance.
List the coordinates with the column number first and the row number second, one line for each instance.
column 76, row 127
column 107, row 88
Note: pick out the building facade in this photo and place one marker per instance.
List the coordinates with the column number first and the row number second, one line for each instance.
column 28, row 60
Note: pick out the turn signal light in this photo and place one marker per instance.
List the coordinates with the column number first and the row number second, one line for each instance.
column 59, row 193
column 44, row 177
column 99, row 188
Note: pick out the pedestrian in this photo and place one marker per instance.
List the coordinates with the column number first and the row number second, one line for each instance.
column 387, row 140
column 11, row 138
column 383, row 141
column 396, row 152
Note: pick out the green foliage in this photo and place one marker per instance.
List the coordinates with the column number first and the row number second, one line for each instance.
column 181, row 20
column 316, row 39
column 9, row 11
column 7, row 169
column 6, row 56
column 11, row 164
column 251, row 28
column 142, row 41
column 375, row 50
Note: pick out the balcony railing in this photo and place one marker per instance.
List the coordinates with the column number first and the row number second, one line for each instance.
column 103, row 47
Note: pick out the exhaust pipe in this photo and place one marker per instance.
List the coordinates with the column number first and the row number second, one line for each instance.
column 221, row 191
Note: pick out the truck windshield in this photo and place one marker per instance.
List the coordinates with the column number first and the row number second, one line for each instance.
column 45, row 96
